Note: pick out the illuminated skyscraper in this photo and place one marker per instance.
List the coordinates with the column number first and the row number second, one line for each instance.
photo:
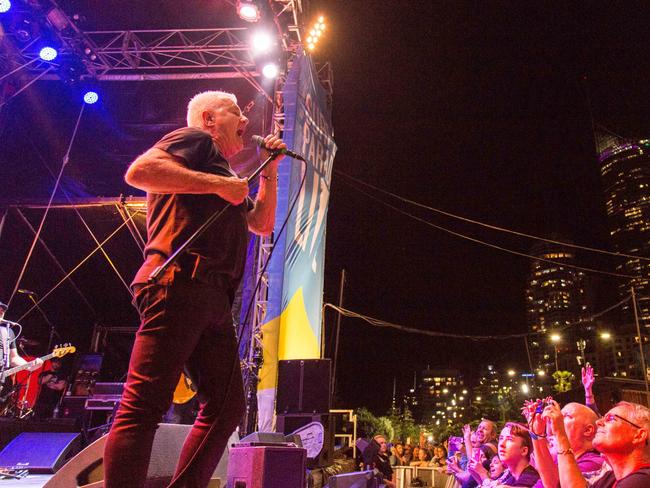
column 442, row 397
column 555, row 298
column 625, row 173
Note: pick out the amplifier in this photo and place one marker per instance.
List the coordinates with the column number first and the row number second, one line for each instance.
column 105, row 396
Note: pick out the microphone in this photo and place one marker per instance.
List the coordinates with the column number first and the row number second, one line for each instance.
column 26, row 292
column 259, row 142
column 5, row 321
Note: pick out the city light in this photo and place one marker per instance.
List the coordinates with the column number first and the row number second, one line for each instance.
column 261, row 42
column 91, row 97
column 478, row 398
column 464, row 392
column 605, row 336
column 556, row 337
column 248, row 11
column 48, row 53
column 445, row 391
column 511, row 372
column 270, row 71
column 524, row 388
column 541, row 372
column 5, row 5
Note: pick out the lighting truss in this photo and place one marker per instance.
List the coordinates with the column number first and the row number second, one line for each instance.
column 171, row 54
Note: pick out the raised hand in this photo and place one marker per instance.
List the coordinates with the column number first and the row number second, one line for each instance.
column 553, row 415
column 588, row 378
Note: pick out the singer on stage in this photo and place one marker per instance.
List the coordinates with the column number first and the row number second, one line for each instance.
column 186, row 318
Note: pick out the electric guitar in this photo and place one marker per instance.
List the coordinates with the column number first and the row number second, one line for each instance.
column 57, row 352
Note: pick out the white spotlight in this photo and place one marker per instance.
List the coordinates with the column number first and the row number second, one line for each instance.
column 5, row 5
column 270, row 70
column 248, row 11
column 261, row 42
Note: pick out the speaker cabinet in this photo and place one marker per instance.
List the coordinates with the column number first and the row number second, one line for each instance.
column 289, row 423
column 303, row 386
column 266, row 467
column 40, row 452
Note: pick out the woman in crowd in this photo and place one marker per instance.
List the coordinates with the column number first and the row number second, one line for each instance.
column 439, row 458
column 397, row 455
column 423, row 458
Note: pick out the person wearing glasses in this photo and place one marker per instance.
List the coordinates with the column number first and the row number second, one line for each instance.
column 622, row 437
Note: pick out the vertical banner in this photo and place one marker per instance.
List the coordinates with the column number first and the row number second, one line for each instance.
column 293, row 326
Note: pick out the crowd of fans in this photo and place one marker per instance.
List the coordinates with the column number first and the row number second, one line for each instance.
column 569, row 447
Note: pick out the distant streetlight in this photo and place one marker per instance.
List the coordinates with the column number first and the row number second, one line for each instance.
column 556, row 337
column 605, row 336
column 524, row 388
column 541, row 372
column 511, row 372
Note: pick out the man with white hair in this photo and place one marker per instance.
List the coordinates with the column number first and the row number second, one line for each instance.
column 622, row 436
column 186, row 318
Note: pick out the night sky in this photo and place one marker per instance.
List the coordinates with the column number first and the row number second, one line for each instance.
column 482, row 109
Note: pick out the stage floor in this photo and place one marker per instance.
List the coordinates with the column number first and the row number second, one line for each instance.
column 29, row 481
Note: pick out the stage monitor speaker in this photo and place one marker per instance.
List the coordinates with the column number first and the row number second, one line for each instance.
column 87, row 468
column 290, row 423
column 40, row 452
column 266, row 467
column 363, row 479
column 303, row 386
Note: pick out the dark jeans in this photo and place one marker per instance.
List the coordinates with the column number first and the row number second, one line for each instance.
column 184, row 323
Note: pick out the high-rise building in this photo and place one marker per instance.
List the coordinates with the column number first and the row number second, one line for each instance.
column 625, row 173
column 555, row 298
column 442, row 397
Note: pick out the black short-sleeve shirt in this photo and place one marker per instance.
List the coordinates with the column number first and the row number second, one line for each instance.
column 638, row 479
column 173, row 218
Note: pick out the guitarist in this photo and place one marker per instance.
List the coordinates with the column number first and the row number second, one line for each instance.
column 8, row 341
column 12, row 358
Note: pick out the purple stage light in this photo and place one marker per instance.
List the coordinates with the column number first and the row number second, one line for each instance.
column 91, row 97
column 5, row 5
column 48, row 53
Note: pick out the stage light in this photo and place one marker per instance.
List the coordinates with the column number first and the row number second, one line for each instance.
column 261, row 42
column 5, row 5
column 248, row 11
column 315, row 33
column 48, row 53
column 270, row 71
column 91, row 97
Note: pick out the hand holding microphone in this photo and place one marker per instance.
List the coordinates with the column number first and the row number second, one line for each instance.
column 274, row 144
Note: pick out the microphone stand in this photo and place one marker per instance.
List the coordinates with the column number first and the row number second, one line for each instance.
column 53, row 331
column 157, row 273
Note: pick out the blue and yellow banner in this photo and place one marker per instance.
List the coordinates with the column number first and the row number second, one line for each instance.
column 296, row 271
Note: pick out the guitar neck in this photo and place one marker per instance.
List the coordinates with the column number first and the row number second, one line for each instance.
column 17, row 369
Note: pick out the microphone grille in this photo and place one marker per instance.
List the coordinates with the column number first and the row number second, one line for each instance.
column 257, row 140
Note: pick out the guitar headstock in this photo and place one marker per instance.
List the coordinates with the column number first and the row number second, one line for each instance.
column 63, row 349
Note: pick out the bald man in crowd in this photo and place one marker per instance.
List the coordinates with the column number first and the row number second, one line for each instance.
column 622, row 437
column 579, row 422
